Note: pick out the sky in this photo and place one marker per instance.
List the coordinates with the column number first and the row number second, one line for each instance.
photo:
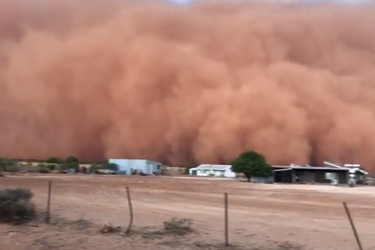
column 179, row 1
column 306, row 1
column 188, row 85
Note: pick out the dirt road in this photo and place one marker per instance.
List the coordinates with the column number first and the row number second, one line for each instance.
column 261, row 216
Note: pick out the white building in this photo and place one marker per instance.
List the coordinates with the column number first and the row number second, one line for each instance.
column 128, row 166
column 213, row 170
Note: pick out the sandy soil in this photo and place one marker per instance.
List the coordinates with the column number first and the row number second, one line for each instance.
column 261, row 216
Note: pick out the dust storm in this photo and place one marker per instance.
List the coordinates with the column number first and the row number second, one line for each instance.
column 187, row 84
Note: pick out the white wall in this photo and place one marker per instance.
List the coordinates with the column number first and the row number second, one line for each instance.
column 203, row 172
column 209, row 172
column 123, row 164
column 229, row 174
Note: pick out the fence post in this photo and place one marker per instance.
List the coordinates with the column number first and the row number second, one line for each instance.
column 49, row 202
column 130, row 210
column 353, row 226
column 226, row 234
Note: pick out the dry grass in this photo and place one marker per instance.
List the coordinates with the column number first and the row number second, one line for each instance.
column 178, row 226
column 108, row 228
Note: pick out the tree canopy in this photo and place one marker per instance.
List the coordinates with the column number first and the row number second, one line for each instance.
column 113, row 166
column 54, row 160
column 71, row 160
column 252, row 164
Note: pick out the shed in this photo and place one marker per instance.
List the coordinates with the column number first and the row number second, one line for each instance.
column 213, row 170
column 330, row 173
column 130, row 166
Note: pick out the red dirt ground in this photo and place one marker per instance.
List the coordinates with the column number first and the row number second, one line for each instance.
column 261, row 216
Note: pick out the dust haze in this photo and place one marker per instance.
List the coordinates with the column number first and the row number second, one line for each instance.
column 187, row 84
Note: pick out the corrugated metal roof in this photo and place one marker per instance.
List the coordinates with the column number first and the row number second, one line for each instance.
column 327, row 166
column 214, row 166
column 280, row 166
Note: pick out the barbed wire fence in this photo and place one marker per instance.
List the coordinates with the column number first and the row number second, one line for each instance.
column 226, row 210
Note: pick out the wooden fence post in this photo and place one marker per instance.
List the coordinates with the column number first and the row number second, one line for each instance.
column 226, row 227
column 130, row 210
column 353, row 226
column 49, row 202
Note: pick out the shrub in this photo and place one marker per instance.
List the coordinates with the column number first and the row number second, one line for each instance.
column 16, row 194
column 108, row 228
column 5, row 164
column 42, row 168
column 15, row 206
column 51, row 167
column 178, row 226
column 65, row 168
column 93, row 168
column 187, row 170
column 113, row 167
column 11, row 166
column 84, row 170
column 74, row 166
column 71, row 159
column 54, row 160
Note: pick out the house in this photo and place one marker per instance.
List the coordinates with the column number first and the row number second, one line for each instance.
column 332, row 173
column 213, row 170
column 131, row 166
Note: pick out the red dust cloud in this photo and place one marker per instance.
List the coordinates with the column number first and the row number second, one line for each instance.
column 187, row 84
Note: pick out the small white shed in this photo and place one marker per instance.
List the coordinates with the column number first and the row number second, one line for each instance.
column 213, row 170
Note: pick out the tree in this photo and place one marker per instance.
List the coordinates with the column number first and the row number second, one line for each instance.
column 51, row 167
column 71, row 159
column 2, row 165
column 54, row 160
column 251, row 163
column 42, row 168
column 84, row 170
column 113, row 166
column 63, row 168
column 8, row 165
column 93, row 168
column 72, row 162
column 11, row 166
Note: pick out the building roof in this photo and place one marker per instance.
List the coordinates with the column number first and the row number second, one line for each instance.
column 213, row 167
column 327, row 166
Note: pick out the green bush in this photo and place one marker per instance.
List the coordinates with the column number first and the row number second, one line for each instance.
column 11, row 166
column 51, row 167
column 187, row 170
column 54, row 160
column 72, row 159
column 15, row 206
column 74, row 166
column 16, row 194
column 113, row 167
column 42, row 168
column 7, row 165
column 179, row 226
column 84, row 170
column 93, row 168
column 63, row 168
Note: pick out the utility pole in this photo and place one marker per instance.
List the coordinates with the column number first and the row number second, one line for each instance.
column 352, row 170
column 352, row 153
